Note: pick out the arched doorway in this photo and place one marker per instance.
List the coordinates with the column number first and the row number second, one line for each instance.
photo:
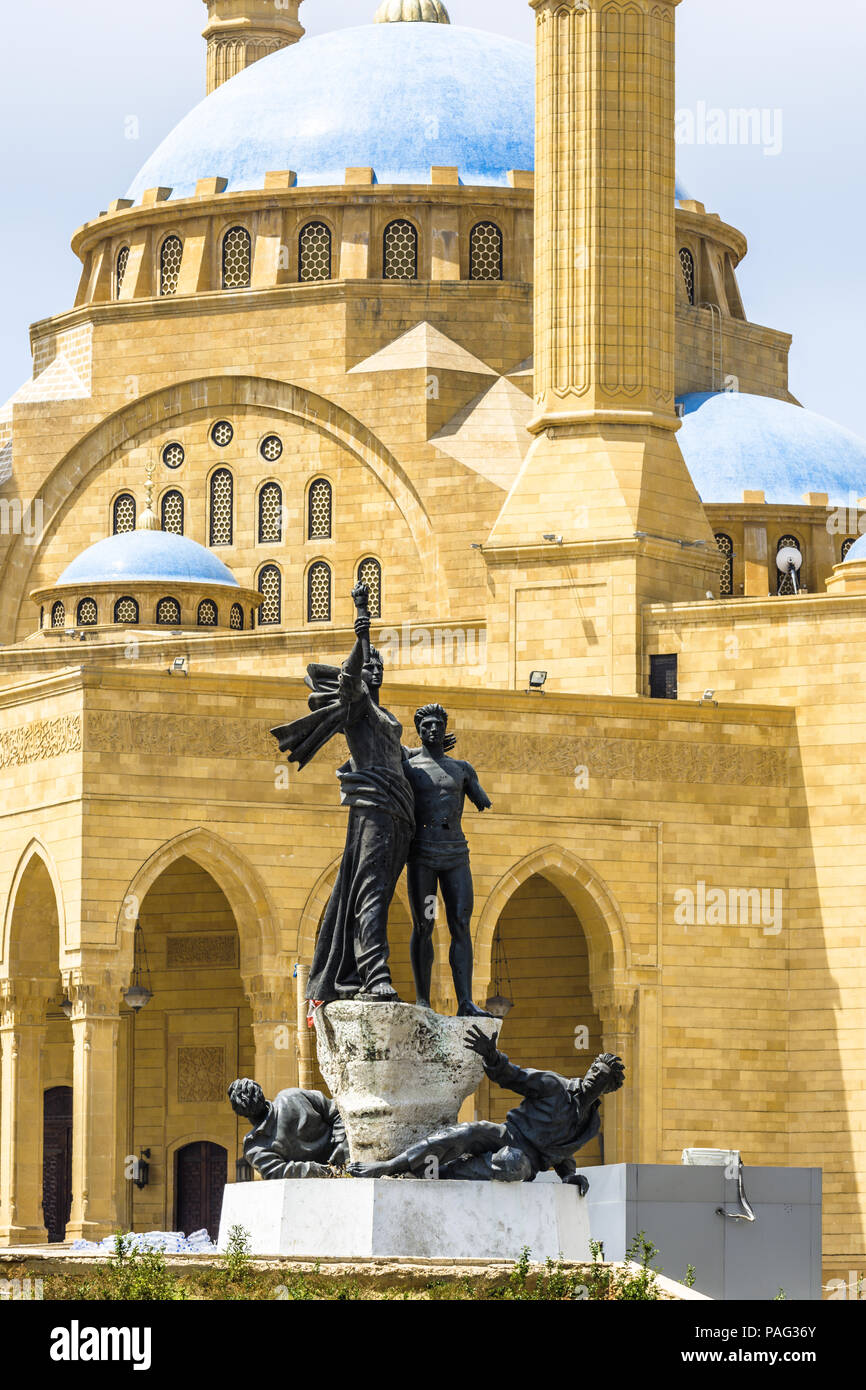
column 201, row 1171
column 57, row 1161
column 553, row 1025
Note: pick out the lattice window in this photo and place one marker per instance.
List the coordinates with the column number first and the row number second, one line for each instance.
column 726, row 546
column 314, row 252
column 846, row 545
column 320, row 508
column 236, row 618
column 270, row 584
column 173, row 455
column 271, row 448
column 168, row 612
column 170, row 258
column 319, row 593
column 222, row 434
column 401, row 251
column 221, row 507
column 271, row 513
column 126, row 611
column 171, row 512
column 485, row 252
column 208, row 615
column 786, row 583
column 237, row 259
column 87, row 614
column 123, row 514
column 120, row 266
column 58, row 614
column 687, row 262
column 370, row 573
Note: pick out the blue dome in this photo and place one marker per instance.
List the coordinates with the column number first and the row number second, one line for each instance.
column 146, row 556
column 732, row 441
column 857, row 551
column 397, row 98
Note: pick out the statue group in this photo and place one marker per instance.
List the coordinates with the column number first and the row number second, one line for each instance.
column 405, row 811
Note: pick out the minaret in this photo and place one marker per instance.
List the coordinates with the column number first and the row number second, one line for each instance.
column 239, row 32
column 605, row 476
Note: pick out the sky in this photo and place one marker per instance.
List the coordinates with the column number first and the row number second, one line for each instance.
column 91, row 89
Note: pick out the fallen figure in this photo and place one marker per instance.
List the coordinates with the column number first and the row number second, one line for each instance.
column 557, row 1117
column 299, row 1134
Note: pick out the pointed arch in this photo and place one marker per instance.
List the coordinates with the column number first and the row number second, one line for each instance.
column 311, row 913
column 597, row 910
column 35, row 850
column 249, row 899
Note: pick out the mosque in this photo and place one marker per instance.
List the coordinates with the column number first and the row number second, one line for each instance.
column 414, row 305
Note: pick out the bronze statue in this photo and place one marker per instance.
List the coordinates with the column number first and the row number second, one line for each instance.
column 299, row 1134
column 557, row 1117
column 439, row 856
column 351, row 955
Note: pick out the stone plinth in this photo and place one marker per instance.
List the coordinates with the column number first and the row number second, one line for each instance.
column 408, row 1218
column 396, row 1071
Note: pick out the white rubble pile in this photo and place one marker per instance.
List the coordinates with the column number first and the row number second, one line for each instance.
column 169, row 1242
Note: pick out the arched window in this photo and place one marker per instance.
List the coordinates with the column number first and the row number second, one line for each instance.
column 270, row 584
column 126, row 611
column 485, row 252
column 726, row 546
column 170, row 257
column 171, row 512
column 236, row 618
column 123, row 514
column 86, row 615
column 208, row 615
column 786, row 584
column 401, row 251
column 222, row 488
column 319, row 593
column 319, row 510
column 58, row 614
column 687, row 263
column 237, row 259
column 270, row 513
column 370, row 573
column 168, row 612
column 314, row 252
column 120, row 270
column 847, row 544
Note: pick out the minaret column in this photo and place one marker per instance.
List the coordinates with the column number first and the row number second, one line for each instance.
column 239, row 32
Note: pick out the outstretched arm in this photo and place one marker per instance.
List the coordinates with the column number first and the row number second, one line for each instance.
column 474, row 790
column 503, row 1072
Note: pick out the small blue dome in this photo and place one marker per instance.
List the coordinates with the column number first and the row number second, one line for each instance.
column 146, row 556
column 397, row 98
column 732, row 441
column 857, row 551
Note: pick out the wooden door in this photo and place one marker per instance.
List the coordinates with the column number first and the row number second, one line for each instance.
column 201, row 1170
column 57, row 1161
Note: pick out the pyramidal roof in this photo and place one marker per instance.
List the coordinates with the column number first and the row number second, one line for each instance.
column 489, row 435
column 426, row 348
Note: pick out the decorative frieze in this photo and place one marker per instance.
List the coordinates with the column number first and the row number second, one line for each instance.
column 188, row 949
column 44, row 738
column 200, row 1074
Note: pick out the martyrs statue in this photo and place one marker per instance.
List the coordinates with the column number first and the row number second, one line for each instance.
column 299, row 1134
column 439, row 856
column 556, row 1118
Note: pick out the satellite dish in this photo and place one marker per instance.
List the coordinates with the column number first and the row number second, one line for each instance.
column 787, row 558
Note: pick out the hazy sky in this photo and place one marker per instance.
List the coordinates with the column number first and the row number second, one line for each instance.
column 74, row 74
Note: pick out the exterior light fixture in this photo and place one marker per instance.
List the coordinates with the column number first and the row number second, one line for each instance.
column 179, row 667
column 243, row 1171
column 499, row 1004
column 141, row 1169
column 139, row 992
column 476, row 545
column 553, row 538
column 537, row 680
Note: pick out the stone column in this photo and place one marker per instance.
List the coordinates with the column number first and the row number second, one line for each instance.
column 23, row 1006
column 616, row 1010
column 306, row 1042
column 97, row 1164
column 272, row 1003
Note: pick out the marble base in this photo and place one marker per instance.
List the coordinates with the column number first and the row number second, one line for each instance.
column 397, row 1072
column 408, row 1218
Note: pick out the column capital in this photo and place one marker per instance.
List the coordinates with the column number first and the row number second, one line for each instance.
column 93, row 993
column 25, row 1001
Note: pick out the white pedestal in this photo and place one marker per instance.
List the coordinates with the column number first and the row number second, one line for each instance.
column 361, row 1218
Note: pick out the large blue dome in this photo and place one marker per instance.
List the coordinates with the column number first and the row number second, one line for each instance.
column 397, row 98
column 147, row 556
column 732, row 441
